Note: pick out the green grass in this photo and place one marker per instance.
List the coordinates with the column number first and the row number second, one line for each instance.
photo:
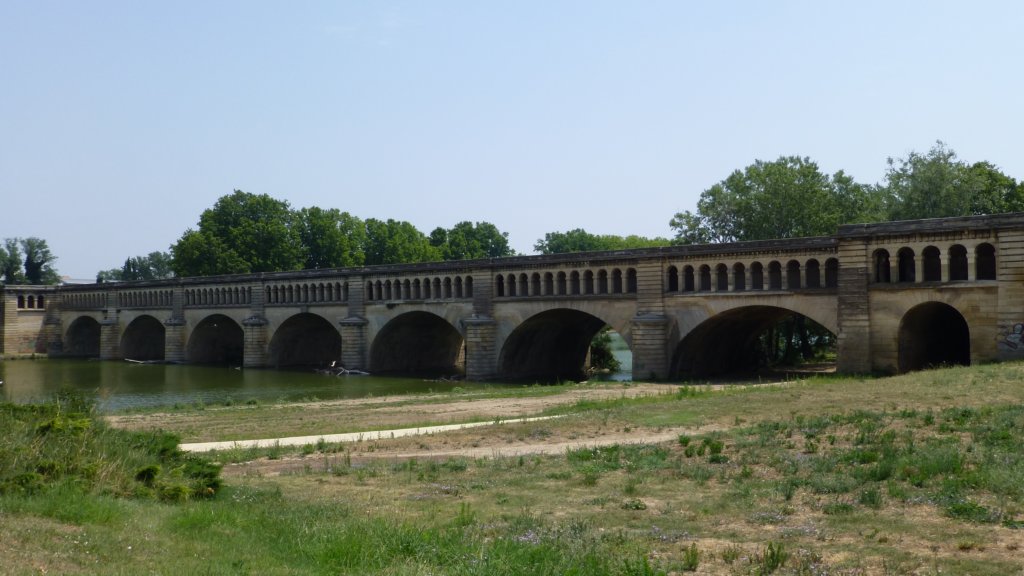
column 916, row 474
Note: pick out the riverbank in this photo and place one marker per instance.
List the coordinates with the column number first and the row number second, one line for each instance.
column 916, row 474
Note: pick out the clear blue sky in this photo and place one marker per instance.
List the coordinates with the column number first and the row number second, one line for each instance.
column 120, row 122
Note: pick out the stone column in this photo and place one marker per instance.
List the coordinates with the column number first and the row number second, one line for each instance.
column 481, row 349
column 353, row 343
column 944, row 264
column 919, row 267
column 650, row 355
column 972, row 264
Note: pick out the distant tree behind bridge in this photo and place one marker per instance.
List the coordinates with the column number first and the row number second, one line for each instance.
column 467, row 241
column 579, row 240
column 791, row 197
column 154, row 266
column 245, row 232
column 27, row 261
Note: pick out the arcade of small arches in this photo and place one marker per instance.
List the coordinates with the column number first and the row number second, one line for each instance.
column 742, row 276
column 573, row 283
column 218, row 296
column 934, row 264
column 435, row 288
column 31, row 302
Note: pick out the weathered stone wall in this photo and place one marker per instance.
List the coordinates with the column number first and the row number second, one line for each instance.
column 24, row 328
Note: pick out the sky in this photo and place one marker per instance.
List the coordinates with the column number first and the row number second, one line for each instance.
column 120, row 122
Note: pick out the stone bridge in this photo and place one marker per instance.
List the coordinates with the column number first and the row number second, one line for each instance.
column 898, row 296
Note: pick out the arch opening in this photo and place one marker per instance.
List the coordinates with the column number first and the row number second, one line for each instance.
column 305, row 340
column 144, row 339
column 418, row 343
column 746, row 340
column 933, row 334
column 551, row 346
column 83, row 338
column 216, row 340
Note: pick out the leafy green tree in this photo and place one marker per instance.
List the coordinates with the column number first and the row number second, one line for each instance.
column 937, row 184
column 39, row 262
column 467, row 241
column 331, row 238
column 10, row 262
column 786, row 198
column 154, row 266
column 243, row 232
column 579, row 240
column 397, row 242
column 200, row 253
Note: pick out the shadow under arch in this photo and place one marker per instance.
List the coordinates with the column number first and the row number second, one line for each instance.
column 417, row 343
column 217, row 339
column 143, row 339
column 305, row 340
column 83, row 338
column 550, row 346
column 732, row 342
column 933, row 334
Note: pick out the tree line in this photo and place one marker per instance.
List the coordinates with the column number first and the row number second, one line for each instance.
column 27, row 261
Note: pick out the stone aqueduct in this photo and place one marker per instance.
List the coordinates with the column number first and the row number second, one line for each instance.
column 898, row 296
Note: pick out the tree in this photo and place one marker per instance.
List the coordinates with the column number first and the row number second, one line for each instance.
column 244, row 233
column 331, row 238
column 10, row 262
column 786, row 198
column 203, row 254
column 395, row 242
column 39, row 262
column 155, row 266
column 467, row 241
column 579, row 240
column 937, row 184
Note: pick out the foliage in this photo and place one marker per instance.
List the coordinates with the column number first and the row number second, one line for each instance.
column 937, row 184
column 601, row 356
column 331, row 238
column 786, row 198
column 467, row 241
column 580, row 240
column 27, row 261
column 155, row 266
column 10, row 262
column 243, row 232
column 66, row 444
column 395, row 242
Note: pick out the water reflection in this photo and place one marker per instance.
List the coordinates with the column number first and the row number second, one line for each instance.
column 121, row 385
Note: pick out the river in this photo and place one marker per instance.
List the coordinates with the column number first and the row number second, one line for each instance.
column 125, row 386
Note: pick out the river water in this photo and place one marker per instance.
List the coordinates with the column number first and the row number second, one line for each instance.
column 123, row 385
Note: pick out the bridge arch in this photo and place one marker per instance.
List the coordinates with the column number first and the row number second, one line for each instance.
column 550, row 345
column 143, row 339
column 729, row 341
column 83, row 338
column 305, row 339
column 417, row 342
column 933, row 334
column 216, row 339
